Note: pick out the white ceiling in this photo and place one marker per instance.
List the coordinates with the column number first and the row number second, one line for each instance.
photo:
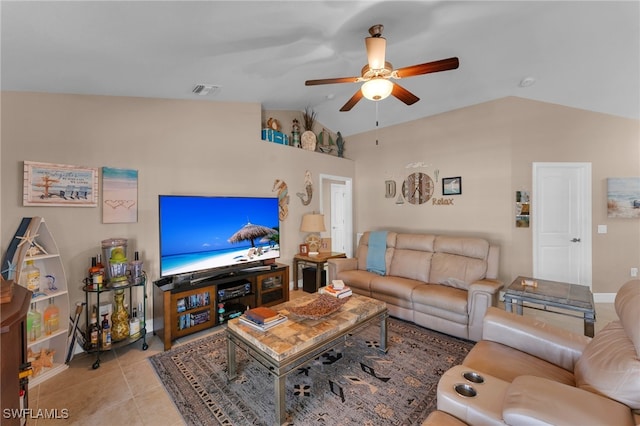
column 583, row 54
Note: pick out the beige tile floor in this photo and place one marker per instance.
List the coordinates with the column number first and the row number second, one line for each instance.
column 125, row 389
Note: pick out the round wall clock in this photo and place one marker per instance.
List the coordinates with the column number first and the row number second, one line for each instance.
column 417, row 188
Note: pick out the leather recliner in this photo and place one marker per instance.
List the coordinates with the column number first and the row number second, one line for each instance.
column 537, row 374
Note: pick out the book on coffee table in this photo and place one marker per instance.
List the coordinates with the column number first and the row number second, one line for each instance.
column 279, row 319
column 261, row 315
column 332, row 291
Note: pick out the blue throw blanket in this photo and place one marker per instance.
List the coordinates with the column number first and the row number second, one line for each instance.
column 375, row 254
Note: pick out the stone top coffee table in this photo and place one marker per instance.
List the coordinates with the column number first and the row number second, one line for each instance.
column 555, row 294
column 287, row 346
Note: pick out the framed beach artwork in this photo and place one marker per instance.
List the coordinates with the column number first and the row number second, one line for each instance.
column 522, row 209
column 452, row 186
column 623, row 197
column 119, row 195
column 47, row 184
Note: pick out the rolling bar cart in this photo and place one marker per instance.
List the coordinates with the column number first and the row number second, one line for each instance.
column 89, row 292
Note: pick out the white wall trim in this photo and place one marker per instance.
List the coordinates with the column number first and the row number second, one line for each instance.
column 604, row 297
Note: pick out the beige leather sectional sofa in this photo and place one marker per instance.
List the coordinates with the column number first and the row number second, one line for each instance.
column 441, row 282
column 537, row 374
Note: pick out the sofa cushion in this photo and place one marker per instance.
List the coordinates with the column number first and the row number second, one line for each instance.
column 419, row 242
column 610, row 366
column 395, row 290
column 477, row 248
column 456, row 271
column 626, row 304
column 412, row 264
column 507, row 363
column 441, row 297
column 359, row 281
column 363, row 250
column 458, row 261
column 535, row 401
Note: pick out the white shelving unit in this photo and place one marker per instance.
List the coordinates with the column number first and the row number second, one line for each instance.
column 53, row 285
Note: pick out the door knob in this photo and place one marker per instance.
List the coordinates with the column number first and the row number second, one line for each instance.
column 575, row 240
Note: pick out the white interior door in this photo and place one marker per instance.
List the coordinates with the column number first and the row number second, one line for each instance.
column 561, row 216
column 338, row 199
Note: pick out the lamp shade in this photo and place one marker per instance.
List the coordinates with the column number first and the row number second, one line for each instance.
column 377, row 88
column 312, row 223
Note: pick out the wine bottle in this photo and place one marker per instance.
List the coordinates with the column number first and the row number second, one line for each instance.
column 51, row 318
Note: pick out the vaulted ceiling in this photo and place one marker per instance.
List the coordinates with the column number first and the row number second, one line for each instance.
column 583, row 54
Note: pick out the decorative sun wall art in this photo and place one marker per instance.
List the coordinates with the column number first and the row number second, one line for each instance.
column 623, row 197
column 119, row 195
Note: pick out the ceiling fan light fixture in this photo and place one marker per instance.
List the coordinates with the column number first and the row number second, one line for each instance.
column 376, row 47
column 377, row 89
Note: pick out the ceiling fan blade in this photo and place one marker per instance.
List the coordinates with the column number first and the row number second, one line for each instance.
column 429, row 67
column 331, row 81
column 404, row 95
column 352, row 102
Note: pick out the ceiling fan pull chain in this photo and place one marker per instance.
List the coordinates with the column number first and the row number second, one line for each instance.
column 376, row 123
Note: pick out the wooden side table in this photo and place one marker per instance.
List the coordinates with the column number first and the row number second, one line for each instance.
column 319, row 261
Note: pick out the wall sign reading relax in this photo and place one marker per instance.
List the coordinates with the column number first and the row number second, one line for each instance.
column 418, row 188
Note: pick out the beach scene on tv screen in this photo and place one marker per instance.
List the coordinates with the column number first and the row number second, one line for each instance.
column 199, row 233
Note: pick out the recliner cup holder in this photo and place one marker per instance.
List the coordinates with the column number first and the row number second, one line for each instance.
column 465, row 390
column 473, row 377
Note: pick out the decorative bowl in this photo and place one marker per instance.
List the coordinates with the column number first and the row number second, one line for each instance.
column 321, row 307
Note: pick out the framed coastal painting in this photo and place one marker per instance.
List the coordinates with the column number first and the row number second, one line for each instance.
column 623, row 197
column 119, row 195
column 452, row 186
column 48, row 184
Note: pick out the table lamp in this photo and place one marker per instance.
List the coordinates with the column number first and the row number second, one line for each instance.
column 313, row 223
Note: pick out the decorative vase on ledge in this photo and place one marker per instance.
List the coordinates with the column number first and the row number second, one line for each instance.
column 308, row 137
column 308, row 140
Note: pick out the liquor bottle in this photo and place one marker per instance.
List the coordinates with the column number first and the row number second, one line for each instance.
column 51, row 318
column 96, row 274
column 93, row 332
column 30, row 277
column 136, row 269
column 99, row 265
column 106, row 333
column 34, row 323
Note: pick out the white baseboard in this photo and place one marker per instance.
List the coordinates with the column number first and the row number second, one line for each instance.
column 604, row 297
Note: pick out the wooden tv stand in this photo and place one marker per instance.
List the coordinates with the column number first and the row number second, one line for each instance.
column 184, row 308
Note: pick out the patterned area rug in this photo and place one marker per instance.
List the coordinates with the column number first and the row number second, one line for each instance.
column 353, row 384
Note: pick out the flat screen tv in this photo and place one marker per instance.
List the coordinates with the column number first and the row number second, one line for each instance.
column 201, row 233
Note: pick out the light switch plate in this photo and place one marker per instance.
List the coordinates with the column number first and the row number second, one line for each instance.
column 602, row 229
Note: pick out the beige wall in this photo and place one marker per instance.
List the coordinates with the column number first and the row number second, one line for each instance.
column 199, row 147
column 492, row 146
column 178, row 147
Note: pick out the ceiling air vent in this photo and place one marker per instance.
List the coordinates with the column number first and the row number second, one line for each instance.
column 205, row 89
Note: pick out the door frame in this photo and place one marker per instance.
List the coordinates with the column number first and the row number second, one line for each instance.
column 348, row 214
column 586, row 234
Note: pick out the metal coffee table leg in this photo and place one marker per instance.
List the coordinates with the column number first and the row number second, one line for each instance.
column 281, row 411
column 383, row 334
column 231, row 359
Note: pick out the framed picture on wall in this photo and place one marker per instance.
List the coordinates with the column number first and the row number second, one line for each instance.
column 452, row 186
column 47, row 184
